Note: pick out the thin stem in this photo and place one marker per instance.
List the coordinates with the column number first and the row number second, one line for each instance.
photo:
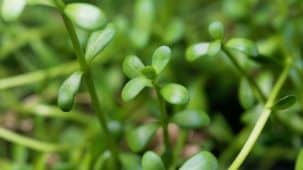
column 164, row 124
column 254, row 135
column 29, row 142
column 89, row 82
column 250, row 80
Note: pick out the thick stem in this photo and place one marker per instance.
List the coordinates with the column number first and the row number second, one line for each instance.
column 164, row 124
column 89, row 83
column 254, row 135
column 250, row 80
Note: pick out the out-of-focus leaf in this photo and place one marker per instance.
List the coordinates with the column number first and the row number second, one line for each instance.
column 12, row 9
column 196, row 51
column 284, row 103
column 130, row 161
column 202, row 161
column 85, row 15
column 214, row 48
column 151, row 161
column 132, row 66
column 244, row 45
column 133, row 87
column 246, row 95
column 174, row 31
column 191, row 119
column 160, row 58
column 138, row 138
column 149, row 72
column 299, row 162
column 216, row 30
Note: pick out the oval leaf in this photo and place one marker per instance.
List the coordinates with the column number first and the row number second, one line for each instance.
column 97, row 41
column 201, row 161
column 140, row 137
column 144, row 16
column 196, row 51
column 68, row 90
column 216, row 30
column 12, row 9
column 132, row 66
column 175, row 94
column 243, row 45
column 85, row 15
column 161, row 58
column 299, row 161
column 133, row 87
column 191, row 119
column 174, row 31
column 285, row 102
column 246, row 95
column 151, row 161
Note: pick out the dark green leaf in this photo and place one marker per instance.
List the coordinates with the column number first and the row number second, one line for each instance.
column 132, row 66
column 68, row 90
column 285, row 102
column 85, row 15
column 196, row 51
column 133, row 87
column 149, row 72
column 12, row 9
column 139, row 138
column 244, row 45
column 97, row 41
column 201, row 161
column 191, row 119
column 246, row 95
column 175, row 94
column 151, row 161
column 161, row 58
column 216, row 30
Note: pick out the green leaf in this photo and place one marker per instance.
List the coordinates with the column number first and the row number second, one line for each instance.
column 191, row 119
column 174, row 31
column 151, row 161
column 196, row 51
column 12, row 9
column 214, row 48
column 68, row 90
column 299, row 162
column 133, row 87
column 246, row 95
column 161, row 58
column 98, row 40
column 130, row 161
column 284, row 103
column 243, row 45
column 149, row 72
column 85, row 15
column 202, row 161
column 132, row 66
column 175, row 94
column 216, row 30
column 144, row 16
column 139, row 138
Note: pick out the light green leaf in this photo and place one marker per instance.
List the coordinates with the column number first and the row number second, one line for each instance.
column 216, row 30
column 85, row 15
column 243, row 45
column 130, row 161
column 139, row 138
column 285, row 102
column 151, row 161
column 299, row 162
column 214, row 48
column 144, row 16
column 161, row 58
column 202, row 161
column 12, row 9
column 97, row 41
column 132, row 66
column 246, row 95
column 133, row 87
column 175, row 94
column 68, row 90
column 196, row 51
column 191, row 119
column 174, row 31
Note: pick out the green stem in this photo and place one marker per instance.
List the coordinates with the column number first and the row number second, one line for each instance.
column 29, row 142
column 254, row 135
column 250, row 80
column 89, row 82
column 164, row 124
